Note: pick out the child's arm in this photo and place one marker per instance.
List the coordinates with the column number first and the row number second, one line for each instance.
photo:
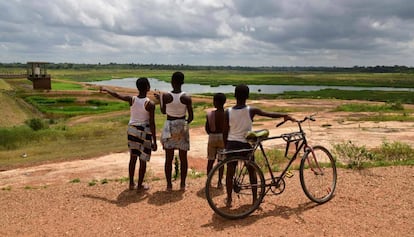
column 162, row 103
column 207, row 126
column 226, row 127
column 257, row 111
column 189, row 104
column 150, row 107
column 119, row 96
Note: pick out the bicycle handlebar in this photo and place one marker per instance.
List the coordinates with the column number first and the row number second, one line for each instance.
column 310, row 117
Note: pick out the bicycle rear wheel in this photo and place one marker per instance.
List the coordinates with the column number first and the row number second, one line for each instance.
column 318, row 174
column 246, row 187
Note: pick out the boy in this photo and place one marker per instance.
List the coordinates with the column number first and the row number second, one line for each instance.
column 175, row 135
column 238, row 121
column 214, row 127
column 141, row 130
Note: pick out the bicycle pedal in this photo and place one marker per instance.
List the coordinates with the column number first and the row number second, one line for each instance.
column 289, row 174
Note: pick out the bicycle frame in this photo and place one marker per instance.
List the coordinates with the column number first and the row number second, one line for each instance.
column 300, row 141
column 317, row 174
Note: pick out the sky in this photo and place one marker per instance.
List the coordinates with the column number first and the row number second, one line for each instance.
column 341, row 33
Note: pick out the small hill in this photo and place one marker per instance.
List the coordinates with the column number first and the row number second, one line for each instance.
column 12, row 113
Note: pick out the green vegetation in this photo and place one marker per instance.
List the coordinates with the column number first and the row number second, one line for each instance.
column 404, row 97
column 4, row 85
column 387, row 107
column 358, row 157
column 58, row 85
column 74, row 121
column 70, row 106
column 276, row 159
column 77, row 180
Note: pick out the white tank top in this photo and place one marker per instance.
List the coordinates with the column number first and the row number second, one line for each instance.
column 175, row 108
column 139, row 114
column 240, row 123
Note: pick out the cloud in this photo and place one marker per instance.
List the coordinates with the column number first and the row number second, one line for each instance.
column 216, row 32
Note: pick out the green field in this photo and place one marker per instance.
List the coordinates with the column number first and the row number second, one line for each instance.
column 74, row 121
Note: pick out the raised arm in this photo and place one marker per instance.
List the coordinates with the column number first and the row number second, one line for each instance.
column 257, row 111
column 119, row 96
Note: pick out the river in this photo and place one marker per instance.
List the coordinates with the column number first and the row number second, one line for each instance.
column 264, row 89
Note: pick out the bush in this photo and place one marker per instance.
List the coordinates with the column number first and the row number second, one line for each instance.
column 395, row 151
column 352, row 155
column 36, row 124
column 387, row 154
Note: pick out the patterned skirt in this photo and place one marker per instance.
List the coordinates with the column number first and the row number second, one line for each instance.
column 175, row 135
column 139, row 141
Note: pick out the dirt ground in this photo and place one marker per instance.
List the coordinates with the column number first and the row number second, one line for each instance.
column 40, row 201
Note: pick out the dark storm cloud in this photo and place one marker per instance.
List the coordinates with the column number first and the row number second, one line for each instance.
column 219, row 32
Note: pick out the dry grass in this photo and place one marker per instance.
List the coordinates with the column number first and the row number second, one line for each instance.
column 12, row 113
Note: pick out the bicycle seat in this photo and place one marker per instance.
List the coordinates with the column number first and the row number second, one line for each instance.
column 252, row 135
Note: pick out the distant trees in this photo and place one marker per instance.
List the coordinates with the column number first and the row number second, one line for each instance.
column 113, row 65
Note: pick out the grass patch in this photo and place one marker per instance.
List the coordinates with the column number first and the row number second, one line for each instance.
column 71, row 106
column 8, row 188
column 73, row 181
column 59, row 143
column 4, row 85
column 381, row 117
column 60, row 85
column 275, row 157
column 359, row 157
column 403, row 97
column 387, row 107
column 12, row 111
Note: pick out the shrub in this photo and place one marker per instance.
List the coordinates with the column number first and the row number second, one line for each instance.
column 395, row 151
column 36, row 124
column 387, row 154
column 352, row 155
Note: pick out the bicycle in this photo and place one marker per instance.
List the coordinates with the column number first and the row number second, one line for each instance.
column 245, row 182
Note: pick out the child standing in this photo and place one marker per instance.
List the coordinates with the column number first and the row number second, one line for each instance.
column 175, row 134
column 141, row 130
column 214, row 127
column 238, row 121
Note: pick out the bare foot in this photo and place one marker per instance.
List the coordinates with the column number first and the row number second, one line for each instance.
column 143, row 187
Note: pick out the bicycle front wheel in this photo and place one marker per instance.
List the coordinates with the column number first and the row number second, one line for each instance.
column 318, row 174
column 239, row 191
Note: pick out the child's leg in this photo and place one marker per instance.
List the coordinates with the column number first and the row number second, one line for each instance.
column 210, row 164
column 132, row 164
column 231, row 168
column 141, row 174
column 183, row 167
column 169, row 156
column 221, row 171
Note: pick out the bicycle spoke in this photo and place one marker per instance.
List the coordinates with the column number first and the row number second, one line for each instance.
column 318, row 175
column 246, row 189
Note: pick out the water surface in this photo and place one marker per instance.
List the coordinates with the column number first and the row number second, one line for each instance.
column 264, row 89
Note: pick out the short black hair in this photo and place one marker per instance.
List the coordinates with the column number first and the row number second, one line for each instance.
column 219, row 98
column 242, row 92
column 142, row 84
column 177, row 77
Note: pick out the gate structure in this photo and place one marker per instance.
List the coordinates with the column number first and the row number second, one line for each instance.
column 37, row 73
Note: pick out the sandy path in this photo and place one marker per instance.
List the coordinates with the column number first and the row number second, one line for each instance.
column 371, row 202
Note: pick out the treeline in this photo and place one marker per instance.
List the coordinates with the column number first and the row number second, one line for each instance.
column 355, row 69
